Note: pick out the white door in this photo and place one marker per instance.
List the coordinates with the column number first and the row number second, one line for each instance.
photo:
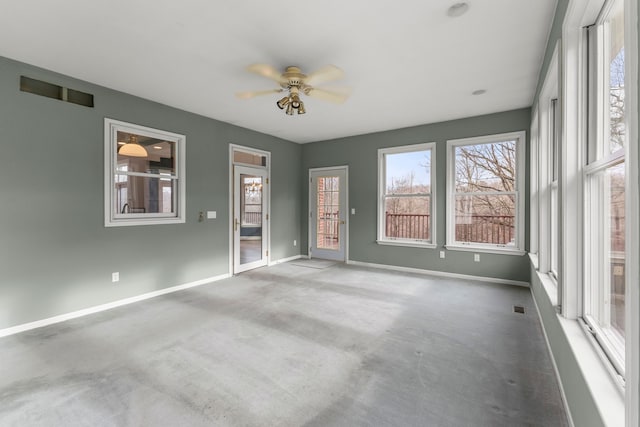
column 250, row 220
column 328, row 213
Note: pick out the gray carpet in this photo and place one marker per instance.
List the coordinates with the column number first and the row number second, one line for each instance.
column 313, row 263
column 290, row 346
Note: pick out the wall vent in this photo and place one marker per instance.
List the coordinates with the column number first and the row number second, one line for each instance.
column 518, row 309
column 38, row 87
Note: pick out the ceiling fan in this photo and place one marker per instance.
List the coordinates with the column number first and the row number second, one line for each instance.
column 293, row 81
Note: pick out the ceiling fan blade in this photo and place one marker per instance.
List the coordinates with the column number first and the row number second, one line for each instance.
column 267, row 71
column 253, row 94
column 325, row 74
column 335, row 96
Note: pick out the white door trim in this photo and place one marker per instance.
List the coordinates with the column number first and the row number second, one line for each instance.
column 345, row 168
column 250, row 150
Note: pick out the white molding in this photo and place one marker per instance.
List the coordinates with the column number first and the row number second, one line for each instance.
column 534, row 195
column 439, row 273
column 382, row 173
column 486, row 249
column 257, row 151
column 108, row 306
column 548, row 91
column 574, row 106
column 632, row 357
column 283, row 260
column 521, row 152
column 407, row 243
column 111, row 219
column 563, row 394
column 311, row 190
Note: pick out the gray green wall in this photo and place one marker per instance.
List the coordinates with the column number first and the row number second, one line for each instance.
column 56, row 256
column 360, row 153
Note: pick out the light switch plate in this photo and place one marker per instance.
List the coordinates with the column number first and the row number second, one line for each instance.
column 211, row 214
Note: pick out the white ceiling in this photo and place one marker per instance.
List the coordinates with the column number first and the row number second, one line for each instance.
column 406, row 61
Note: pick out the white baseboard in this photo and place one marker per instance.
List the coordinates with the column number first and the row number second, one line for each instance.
column 102, row 307
column 563, row 395
column 440, row 273
column 281, row 260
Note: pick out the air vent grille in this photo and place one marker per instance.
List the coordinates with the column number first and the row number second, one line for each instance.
column 50, row 90
column 518, row 309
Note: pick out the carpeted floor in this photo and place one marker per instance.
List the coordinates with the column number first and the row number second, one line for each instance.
column 289, row 346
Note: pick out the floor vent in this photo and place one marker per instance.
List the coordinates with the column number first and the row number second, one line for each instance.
column 38, row 87
column 518, row 309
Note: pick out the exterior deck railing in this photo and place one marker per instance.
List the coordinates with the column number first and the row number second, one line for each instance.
column 496, row 229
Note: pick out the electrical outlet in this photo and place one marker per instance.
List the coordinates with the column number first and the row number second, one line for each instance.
column 115, row 277
column 353, row 211
column 476, row 257
column 441, row 254
column 295, row 243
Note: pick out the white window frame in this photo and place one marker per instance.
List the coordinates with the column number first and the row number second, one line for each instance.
column 534, row 196
column 555, row 122
column 115, row 219
column 548, row 92
column 519, row 246
column 382, row 179
column 632, row 358
column 600, row 159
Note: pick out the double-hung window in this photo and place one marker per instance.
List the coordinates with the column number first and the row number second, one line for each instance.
column 144, row 175
column 604, row 183
column 554, row 202
column 485, row 209
column 406, row 208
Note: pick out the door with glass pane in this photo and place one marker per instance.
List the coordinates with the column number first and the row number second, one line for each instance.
column 328, row 213
column 250, row 219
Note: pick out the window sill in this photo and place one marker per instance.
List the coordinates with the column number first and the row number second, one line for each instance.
column 486, row 250
column 550, row 287
column 534, row 260
column 406, row 243
column 140, row 221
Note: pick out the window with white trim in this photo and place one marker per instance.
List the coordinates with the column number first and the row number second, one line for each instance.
column 406, row 208
column 534, row 192
column 144, row 175
column 554, row 139
column 604, row 183
column 486, row 193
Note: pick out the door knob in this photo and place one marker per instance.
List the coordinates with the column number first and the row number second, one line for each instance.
column 342, row 222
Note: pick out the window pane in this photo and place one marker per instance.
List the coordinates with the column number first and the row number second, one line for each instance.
column 485, row 219
column 328, row 215
column 408, row 218
column 617, row 129
column 160, row 155
column 137, row 194
column 249, row 158
column 486, row 167
column 251, row 205
column 615, row 242
column 408, row 173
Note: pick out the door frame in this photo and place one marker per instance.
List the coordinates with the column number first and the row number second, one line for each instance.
column 345, row 168
column 238, row 171
column 266, row 194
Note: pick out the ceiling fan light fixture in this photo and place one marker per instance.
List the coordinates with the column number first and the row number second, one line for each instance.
column 290, row 110
column 295, row 101
column 283, row 103
column 301, row 109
